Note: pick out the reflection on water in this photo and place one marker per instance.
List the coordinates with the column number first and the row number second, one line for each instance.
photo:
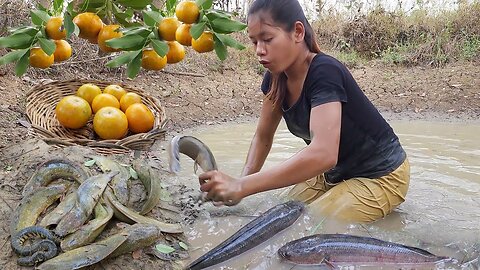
column 441, row 213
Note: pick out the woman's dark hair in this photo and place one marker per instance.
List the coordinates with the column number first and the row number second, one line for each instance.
column 285, row 13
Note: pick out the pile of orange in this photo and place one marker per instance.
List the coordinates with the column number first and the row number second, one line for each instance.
column 115, row 111
column 55, row 31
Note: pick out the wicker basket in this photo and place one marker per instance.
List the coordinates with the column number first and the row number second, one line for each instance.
column 40, row 108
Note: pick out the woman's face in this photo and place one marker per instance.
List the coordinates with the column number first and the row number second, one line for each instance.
column 275, row 48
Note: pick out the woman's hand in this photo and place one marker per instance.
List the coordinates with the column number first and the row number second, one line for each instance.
column 221, row 188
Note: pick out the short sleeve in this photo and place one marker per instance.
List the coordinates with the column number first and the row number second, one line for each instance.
column 326, row 83
column 266, row 82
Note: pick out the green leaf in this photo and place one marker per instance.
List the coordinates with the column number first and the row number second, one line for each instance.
column 29, row 30
column 22, row 64
column 164, row 248
column 220, row 48
column 137, row 30
column 48, row 46
column 135, row 4
column 133, row 173
column 197, row 29
column 183, row 245
column 39, row 17
column 57, row 7
column 121, row 60
column 171, row 6
column 230, row 42
column 227, row 26
column 212, row 15
column 151, row 18
column 12, row 56
column 160, row 47
column 16, row 41
column 89, row 163
column 127, row 43
column 132, row 70
column 205, row 4
column 70, row 27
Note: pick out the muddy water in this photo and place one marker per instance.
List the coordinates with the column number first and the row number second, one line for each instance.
column 441, row 214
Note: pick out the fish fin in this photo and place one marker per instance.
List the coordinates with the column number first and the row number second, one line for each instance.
column 329, row 263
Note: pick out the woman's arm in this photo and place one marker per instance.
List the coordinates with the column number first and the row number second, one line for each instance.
column 319, row 156
column 263, row 137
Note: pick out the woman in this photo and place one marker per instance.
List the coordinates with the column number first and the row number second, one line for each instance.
column 353, row 166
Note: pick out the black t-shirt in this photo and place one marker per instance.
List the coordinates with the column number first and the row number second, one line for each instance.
column 368, row 146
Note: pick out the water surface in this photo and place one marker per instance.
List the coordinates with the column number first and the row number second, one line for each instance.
column 441, row 213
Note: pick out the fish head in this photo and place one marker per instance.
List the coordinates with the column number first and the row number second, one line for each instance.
column 303, row 251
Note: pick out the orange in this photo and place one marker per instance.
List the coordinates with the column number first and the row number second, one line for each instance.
column 39, row 59
column 176, row 52
column 55, row 29
column 110, row 123
column 89, row 24
column 73, row 112
column 204, row 43
column 104, row 100
column 108, row 32
column 129, row 99
column 152, row 61
column 183, row 34
column 88, row 92
column 115, row 90
column 187, row 11
column 167, row 28
column 63, row 50
column 140, row 118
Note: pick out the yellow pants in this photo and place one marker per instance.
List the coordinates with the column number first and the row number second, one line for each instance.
column 356, row 199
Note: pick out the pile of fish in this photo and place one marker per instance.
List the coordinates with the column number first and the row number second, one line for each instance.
column 63, row 238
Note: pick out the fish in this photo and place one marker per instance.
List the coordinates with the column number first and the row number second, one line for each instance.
column 52, row 170
column 139, row 236
column 152, row 184
column 86, row 255
column 344, row 248
column 32, row 206
column 88, row 232
column 120, row 182
column 87, row 196
column 54, row 216
column 193, row 148
column 252, row 234
column 126, row 214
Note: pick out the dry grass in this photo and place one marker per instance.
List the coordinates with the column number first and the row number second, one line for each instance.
column 398, row 38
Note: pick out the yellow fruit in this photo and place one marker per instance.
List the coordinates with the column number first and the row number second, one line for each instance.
column 89, row 24
column 73, row 112
column 108, row 32
column 104, row 100
column 63, row 50
column 187, row 12
column 88, row 92
column 204, row 43
column 39, row 59
column 167, row 28
column 176, row 52
column 115, row 90
column 55, row 29
column 140, row 118
column 110, row 123
column 183, row 34
column 152, row 61
column 129, row 99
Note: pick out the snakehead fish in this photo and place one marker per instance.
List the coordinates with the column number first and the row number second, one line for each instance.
column 254, row 233
column 343, row 248
column 192, row 147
